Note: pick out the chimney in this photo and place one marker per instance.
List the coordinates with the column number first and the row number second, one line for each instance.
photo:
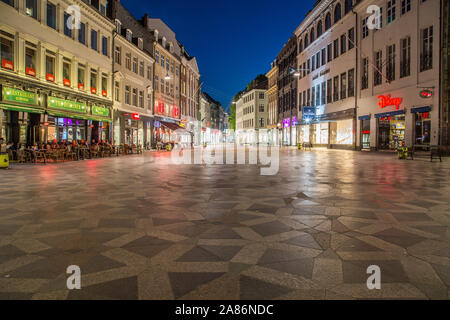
column 156, row 32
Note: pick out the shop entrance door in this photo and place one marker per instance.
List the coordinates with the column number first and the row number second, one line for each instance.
column 391, row 133
column 423, row 128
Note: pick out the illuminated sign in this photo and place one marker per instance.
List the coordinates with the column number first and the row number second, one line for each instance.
column 7, row 64
column 93, row 90
column 57, row 103
column 80, row 86
column 426, row 94
column 50, row 77
column 31, row 72
column 104, row 93
column 15, row 95
column 286, row 123
column 294, row 121
column 100, row 111
column 135, row 116
column 386, row 101
column 308, row 113
column 66, row 82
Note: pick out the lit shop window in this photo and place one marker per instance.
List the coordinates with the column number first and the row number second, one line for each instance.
column 81, row 77
column 50, row 66
column 30, row 59
column 93, row 82
column 104, row 85
column 31, row 8
column 67, row 74
column 7, row 50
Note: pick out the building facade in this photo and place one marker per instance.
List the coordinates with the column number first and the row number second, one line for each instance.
column 56, row 73
column 326, row 74
column 190, row 96
column 272, row 104
column 398, row 97
column 287, row 93
column 252, row 116
column 133, row 88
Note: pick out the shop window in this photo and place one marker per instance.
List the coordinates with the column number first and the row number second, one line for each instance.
column 422, row 128
column 51, row 15
column 30, row 60
column 127, row 95
column 67, row 30
column 7, row 50
column 31, row 8
column 341, row 132
column 50, row 67
column 365, row 134
column 67, row 73
column 93, row 82
column 81, row 77
column 391, row 132
column 134, row 97
column 82, row 34
column 104, row 85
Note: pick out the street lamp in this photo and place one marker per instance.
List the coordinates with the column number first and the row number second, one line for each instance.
column 167, row 77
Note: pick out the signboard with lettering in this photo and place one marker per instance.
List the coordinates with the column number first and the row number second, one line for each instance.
column 100, row 111
column 16, row 95
column 387, row 101
column 58, row 103
column 308, row 113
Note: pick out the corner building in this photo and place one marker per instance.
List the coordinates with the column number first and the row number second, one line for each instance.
column 55, row 80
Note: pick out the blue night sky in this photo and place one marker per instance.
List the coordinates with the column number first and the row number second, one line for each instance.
column 233, row 40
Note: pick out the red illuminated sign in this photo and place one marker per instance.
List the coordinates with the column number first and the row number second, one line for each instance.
column 161, row 107
column 135, row 116
column 176, row 114
column 50, row 77
column 93, row 90
column 66, row 82
column 31, row 72
column 386, row 101
column 104, row 93
column 80, row 86
column 426, row 94
column 366, row 132
column 7, row 64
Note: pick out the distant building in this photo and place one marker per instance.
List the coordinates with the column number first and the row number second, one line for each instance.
column 272, row 104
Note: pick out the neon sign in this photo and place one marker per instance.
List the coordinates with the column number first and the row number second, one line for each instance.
column 135, row 116
column 386, row 101
column 286, row 123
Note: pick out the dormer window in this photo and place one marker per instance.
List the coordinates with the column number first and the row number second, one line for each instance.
column 140, row 43
column 118, row 27
column 129, row 35
column 163, row 42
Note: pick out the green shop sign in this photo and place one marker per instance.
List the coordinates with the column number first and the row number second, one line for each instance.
column 100, row 111
column 15, row 95
column 57, row 103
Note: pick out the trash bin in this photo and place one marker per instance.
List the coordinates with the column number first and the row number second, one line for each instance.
column 4, row 161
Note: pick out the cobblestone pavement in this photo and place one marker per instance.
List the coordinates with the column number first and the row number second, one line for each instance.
column 140, row 229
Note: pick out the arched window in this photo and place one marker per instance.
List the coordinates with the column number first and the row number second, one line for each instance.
column 311, row 36
column 300, row 46
column 337, row 13
column 327, row 21
column 348, row 6
column 319, row 29
column 306, row 42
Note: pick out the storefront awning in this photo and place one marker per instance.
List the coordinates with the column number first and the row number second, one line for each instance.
column 421, row 109
column 21, row 108
column 171, row 126
column 364, row 117
column 389, row 114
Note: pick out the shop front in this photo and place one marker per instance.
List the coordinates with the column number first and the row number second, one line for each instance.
column 68, row 121
column 332, row 130
column 164, row 129
column 391, row 130
column 21, row 116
